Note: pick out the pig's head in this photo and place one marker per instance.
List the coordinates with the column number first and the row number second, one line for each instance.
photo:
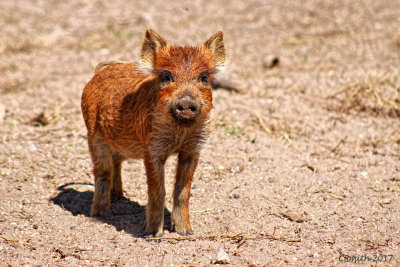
column 183, row 74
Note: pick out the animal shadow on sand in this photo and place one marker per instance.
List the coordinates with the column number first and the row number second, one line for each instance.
column 124, row 214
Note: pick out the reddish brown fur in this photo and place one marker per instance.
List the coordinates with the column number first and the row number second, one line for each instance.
column 129, row 111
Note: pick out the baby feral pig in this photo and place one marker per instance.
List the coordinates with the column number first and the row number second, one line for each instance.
column 150, row 111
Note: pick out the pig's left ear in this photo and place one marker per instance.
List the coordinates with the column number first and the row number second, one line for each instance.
column 216, row 44
column 152, row 44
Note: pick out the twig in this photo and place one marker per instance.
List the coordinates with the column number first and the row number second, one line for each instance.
column 261, row 121
column 65, row 252
column 334, row 149
column 337, row 197
column 308, row 166
column 17, row 241
column 162, row 259
column 30, row 245
column 241, row 243
column 251, row 158
column 231, row 156
column 342, row 160
column 199, row 211
column 232, row 237
column 177, row 238
column 7, row 239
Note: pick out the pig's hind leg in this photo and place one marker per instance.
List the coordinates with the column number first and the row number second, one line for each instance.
column 117, row 192
column 103, row 170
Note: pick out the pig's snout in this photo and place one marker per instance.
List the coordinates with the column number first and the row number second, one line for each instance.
column 186, row 109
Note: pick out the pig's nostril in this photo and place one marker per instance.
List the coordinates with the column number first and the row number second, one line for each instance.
column 186, row 109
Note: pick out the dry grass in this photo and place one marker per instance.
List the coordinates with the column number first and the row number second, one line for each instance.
column 280, row 128
column 375, row 96
column 47, row 116
column 13, row 85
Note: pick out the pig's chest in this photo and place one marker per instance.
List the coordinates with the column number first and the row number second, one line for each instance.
column 174, row 140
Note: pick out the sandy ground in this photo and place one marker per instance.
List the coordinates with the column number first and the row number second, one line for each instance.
column 301, row 168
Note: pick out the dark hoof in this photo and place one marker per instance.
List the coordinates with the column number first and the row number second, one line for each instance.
column 185, row 232
column 98, row 213
column 115, row 197
column 153, row 237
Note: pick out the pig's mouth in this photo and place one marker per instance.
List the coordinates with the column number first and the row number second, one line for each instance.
column 182, row 118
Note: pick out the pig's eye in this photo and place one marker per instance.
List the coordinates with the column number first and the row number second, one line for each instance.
column 166, row 77
column 203, row 78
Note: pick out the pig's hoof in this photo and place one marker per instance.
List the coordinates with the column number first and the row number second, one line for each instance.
column 156, row 237
column 99, row 211
column 116, row 195
column 185, row 232
column 181, row 230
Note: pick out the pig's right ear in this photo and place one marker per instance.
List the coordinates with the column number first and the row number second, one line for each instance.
column 152, row 44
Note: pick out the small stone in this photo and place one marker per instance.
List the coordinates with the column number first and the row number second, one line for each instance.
column 104, row 51
column 271, row 62
column 236, row 195
column 32, row 148
column 293, row 216
column 220, row 257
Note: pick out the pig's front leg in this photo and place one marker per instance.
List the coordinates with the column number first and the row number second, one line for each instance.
column 156, row 195
column 187, row 163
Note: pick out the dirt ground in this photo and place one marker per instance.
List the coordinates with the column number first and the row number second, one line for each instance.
column 301, row 168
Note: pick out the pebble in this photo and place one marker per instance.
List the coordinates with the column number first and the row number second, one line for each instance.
column 220, row 257
column 271, row 62
column 293, row 216
column 32, row 148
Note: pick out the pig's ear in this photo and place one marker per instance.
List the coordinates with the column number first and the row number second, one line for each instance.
column 152, row 44
column 216, row 44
